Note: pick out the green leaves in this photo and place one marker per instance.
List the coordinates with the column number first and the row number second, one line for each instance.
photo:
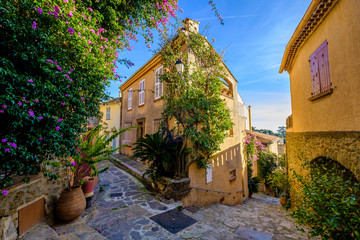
column 193, row 99
column 328, row 201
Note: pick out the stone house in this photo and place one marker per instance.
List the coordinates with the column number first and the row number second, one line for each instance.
column 110, row 111
column 322, row 59
column 225, row 181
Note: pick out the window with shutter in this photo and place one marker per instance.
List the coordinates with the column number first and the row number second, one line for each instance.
column 158, row 83
column 320, row 71
column 130, row 99
column 142, row 93
column 108, row 113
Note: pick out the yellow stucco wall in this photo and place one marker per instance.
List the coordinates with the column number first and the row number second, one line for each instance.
column 114, row 121
column 339, row 111
column 150, row 111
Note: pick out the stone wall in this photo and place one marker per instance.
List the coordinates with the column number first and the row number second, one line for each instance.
column 343, row 147
column 22, row 195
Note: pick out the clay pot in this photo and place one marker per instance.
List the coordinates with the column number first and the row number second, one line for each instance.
column 88, row 186
column 283, row 201
column 71, row 204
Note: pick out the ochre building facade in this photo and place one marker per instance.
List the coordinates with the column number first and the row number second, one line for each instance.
column 322, row 59
column 142, row 106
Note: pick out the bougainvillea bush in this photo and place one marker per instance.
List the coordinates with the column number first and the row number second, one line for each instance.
column 56, row 59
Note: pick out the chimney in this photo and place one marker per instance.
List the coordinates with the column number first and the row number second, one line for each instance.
column 191, row 25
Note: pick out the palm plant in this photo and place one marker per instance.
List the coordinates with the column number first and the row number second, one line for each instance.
column 94, row 147
column 159, row 151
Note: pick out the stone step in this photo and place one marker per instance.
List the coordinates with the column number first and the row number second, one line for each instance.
column 40, row 231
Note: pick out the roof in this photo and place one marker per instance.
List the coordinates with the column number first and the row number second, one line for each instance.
column 314, row 15
column 264, row 138
column 116, row 100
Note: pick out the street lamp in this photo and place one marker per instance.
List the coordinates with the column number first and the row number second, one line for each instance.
column 179, row 66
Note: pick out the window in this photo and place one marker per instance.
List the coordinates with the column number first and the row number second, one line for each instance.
column 320, row 70
column 127, row 134
column 142, row 93
column 158, row 83
column 156, row 125
column 232, row 175
column 130, row 99
column 140, row 128
column 108, row 113
column 114, row 143
column 209, row 173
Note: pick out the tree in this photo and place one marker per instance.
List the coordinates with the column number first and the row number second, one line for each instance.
column 55, row 61
column 193, row 99
column 281, row 131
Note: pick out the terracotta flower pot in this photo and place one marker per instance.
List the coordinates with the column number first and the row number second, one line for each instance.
column 71, row 204
column 88, row 186
column 283, row 201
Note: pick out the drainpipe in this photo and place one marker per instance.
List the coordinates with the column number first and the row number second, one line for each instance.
column 250, row 118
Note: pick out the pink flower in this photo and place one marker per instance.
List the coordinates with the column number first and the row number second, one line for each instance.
column 3, row 140
column 34, row 25
column 5, row 192
column 30, row 80
column 60, row 119
column 36, row 100
column 31, row 113
column 70, row 14
column 71, row 31
column 4, row 106
column 12, row 144
column 73, row 163
column 90, row 9
column 57, row 128
column 19, row 103
column 40, row 10
column 40, row 118
column 7, row 149
column 40, row 138
column 82, row 98
column 63, row 104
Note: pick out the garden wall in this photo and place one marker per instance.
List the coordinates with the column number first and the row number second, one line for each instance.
column 343, row 147
column 22, row 195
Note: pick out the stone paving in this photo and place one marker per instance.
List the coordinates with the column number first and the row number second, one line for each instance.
column 123, row 209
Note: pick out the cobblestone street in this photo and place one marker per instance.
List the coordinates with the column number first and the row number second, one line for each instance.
column 123, row 208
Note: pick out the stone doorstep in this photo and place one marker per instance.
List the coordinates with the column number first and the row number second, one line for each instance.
column 40, row 230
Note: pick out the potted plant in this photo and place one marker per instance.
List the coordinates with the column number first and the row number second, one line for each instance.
column 82, row 169
column 279, row 183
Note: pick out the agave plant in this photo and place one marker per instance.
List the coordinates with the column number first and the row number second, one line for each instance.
column 158, row 150
column 93, row 148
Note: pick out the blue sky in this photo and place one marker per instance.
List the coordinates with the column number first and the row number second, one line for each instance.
column 254, row 37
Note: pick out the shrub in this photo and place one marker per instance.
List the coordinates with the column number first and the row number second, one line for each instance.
column 254, row 185
column 328, row 201
column 278, row 181
column 267, row 164
column 56, row 60
column 159, row 151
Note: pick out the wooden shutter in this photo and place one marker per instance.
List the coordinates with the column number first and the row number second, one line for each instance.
column 142, row 93
column 160, row 83
column 324, row 68
column 130, row 99
column 314, row 68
